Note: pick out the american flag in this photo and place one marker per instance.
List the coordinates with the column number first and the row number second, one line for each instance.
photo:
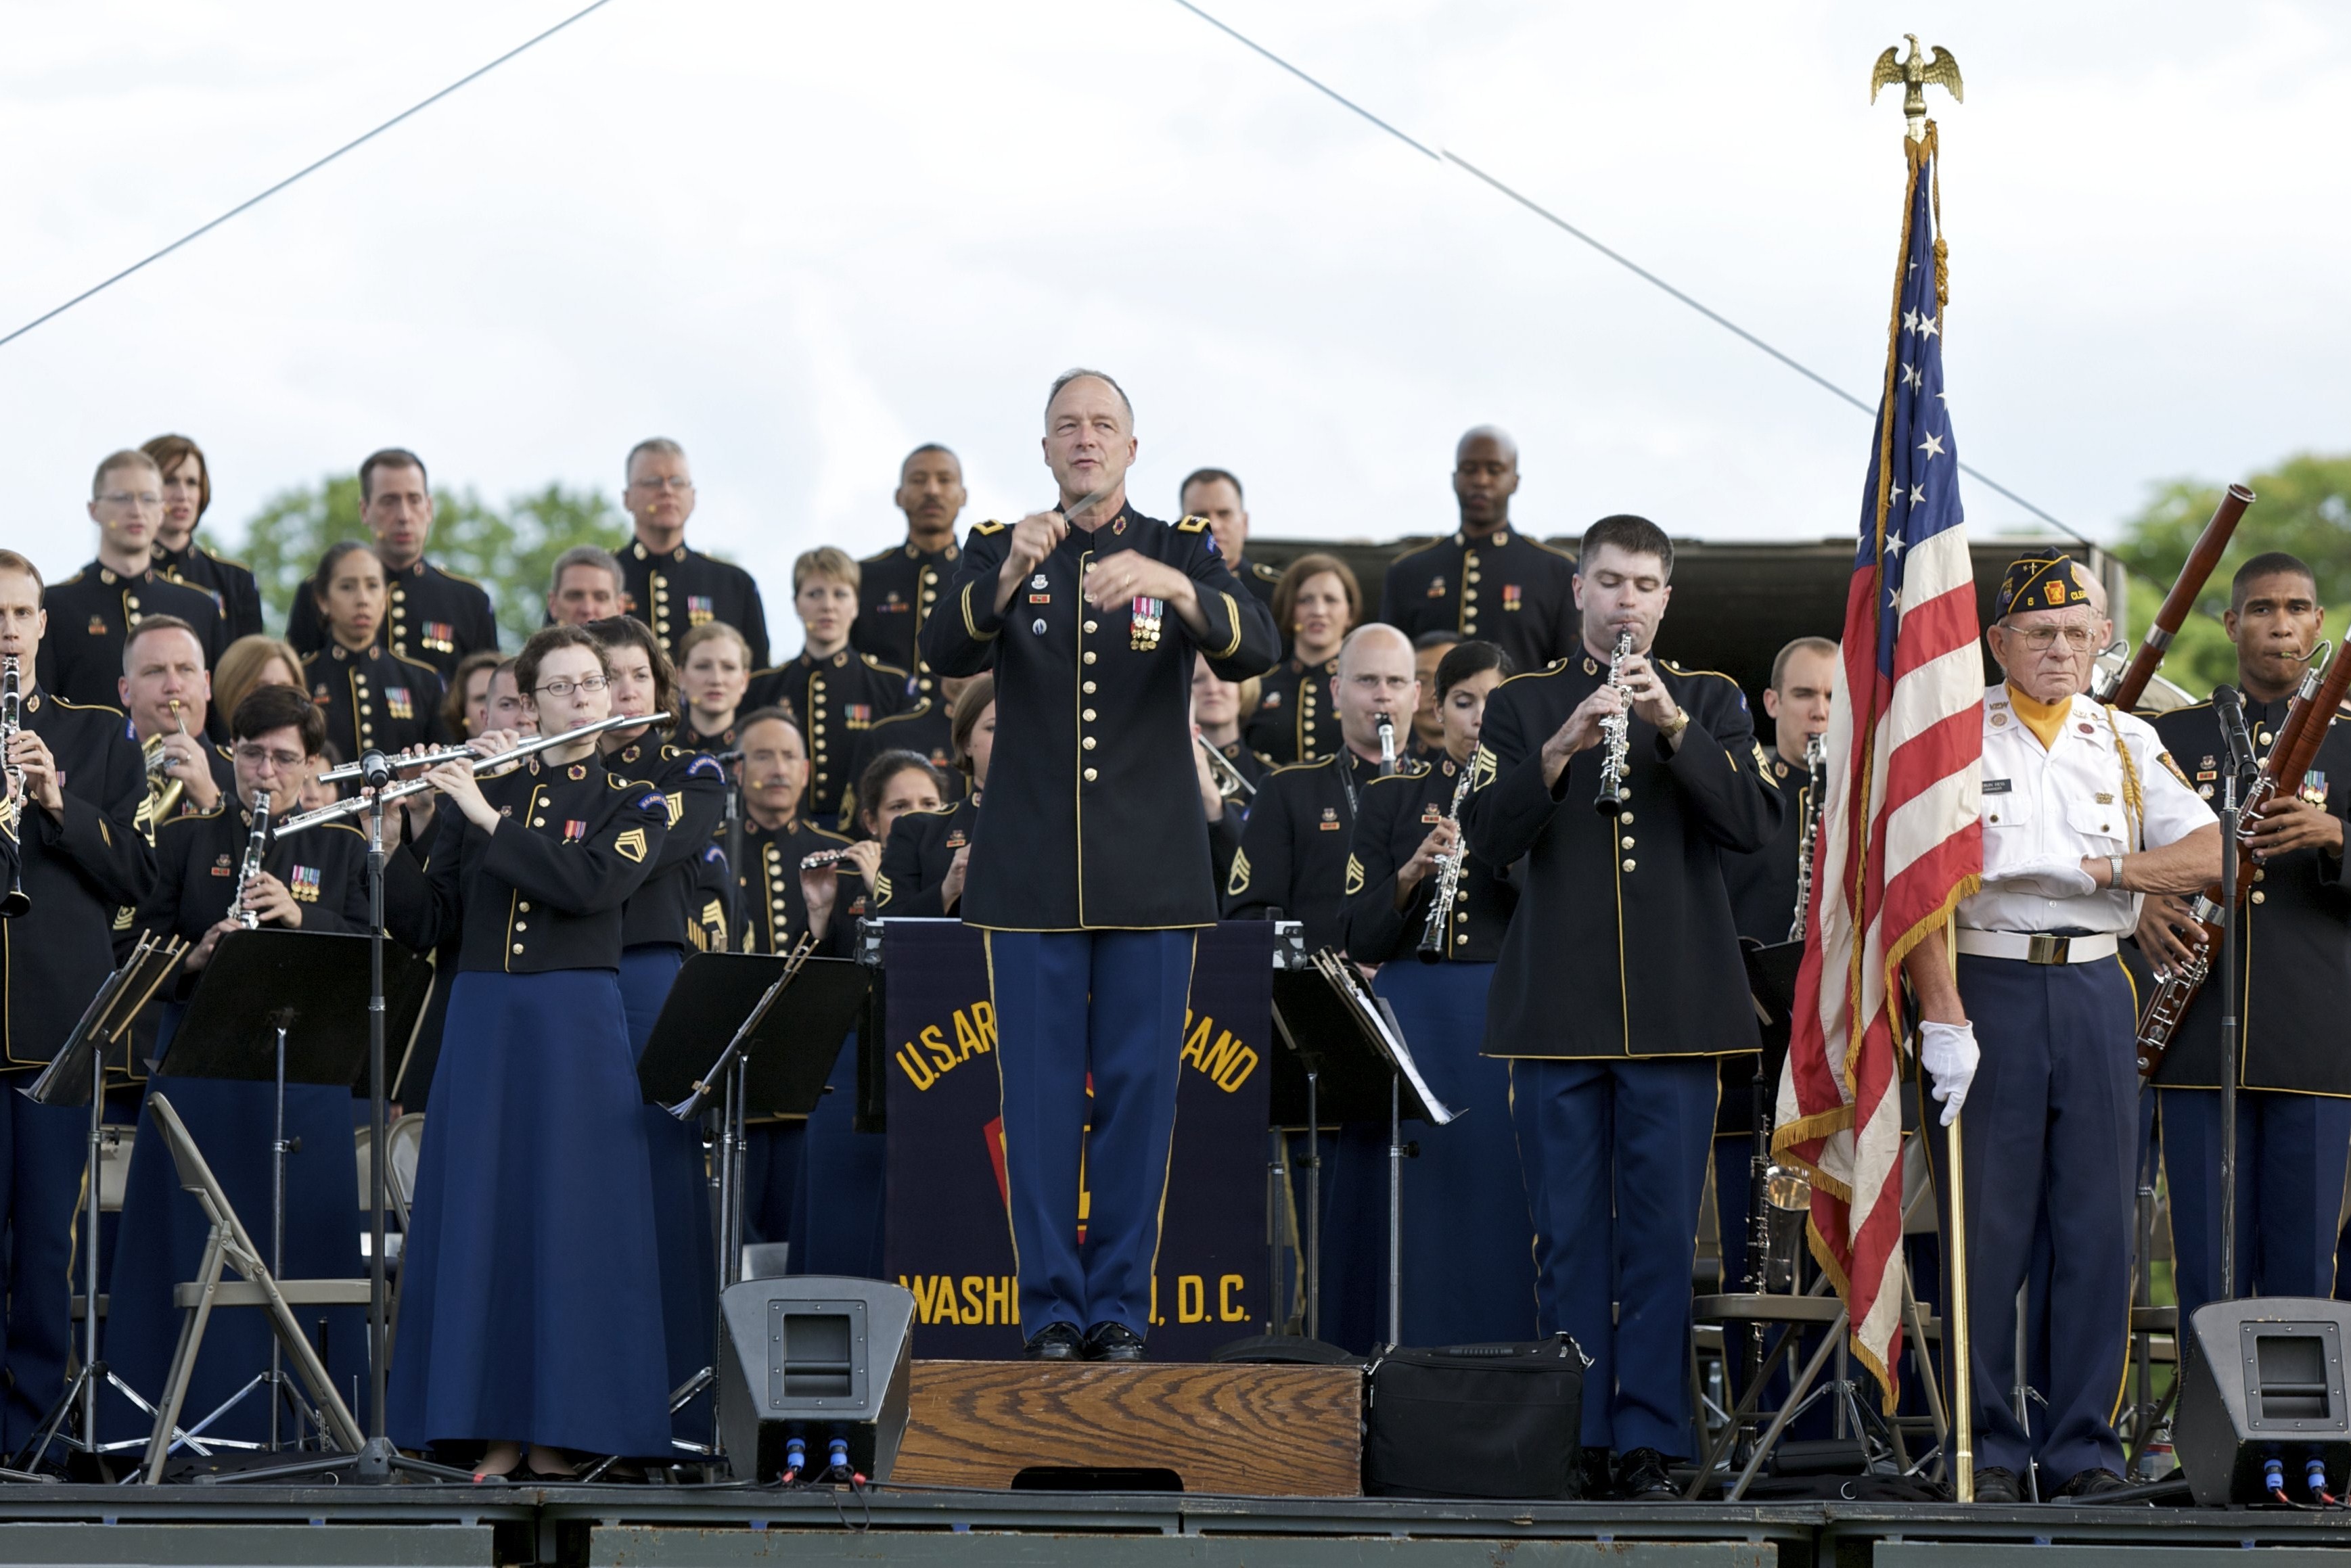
column 1900, row 842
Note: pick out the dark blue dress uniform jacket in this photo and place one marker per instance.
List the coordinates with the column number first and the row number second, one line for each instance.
column 914, row 862
column 1099, row 825
column 673, row 591
column 1293, row 853
column 922, row 729
column 1295, row 719
column 230, row 582
column 543, row 893
column 838, row 700
column 434, row 616
column 1398, row 813
column 378, row 698
column 1763, row 884
column 775, row 910
column 1623, row 944
column 896, row 593
column 198, row 859
column 2295, row 931
column 693, row 788
column 78, row 874
column 1505, row 589
column 91, row 614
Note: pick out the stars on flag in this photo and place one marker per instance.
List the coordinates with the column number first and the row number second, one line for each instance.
column 1932, row 446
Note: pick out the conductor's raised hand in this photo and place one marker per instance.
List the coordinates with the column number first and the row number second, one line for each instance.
column 1580, row 731
column 1034, row 538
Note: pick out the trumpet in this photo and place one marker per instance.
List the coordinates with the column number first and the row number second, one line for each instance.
column 159, row 761
column 495, row 764
column 1230, row 781
column 256, row 846
column 1616, row 734
column 1387, row 746
column 12, row 718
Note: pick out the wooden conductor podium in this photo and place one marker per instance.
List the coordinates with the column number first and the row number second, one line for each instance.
column 1229, row 1427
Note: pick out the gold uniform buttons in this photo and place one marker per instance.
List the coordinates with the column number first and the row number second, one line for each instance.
column 1088, row 743
column 518, row 946
column 1089, row 686
column 1090, row 775
column 524, row 906
column 1090, row 625
column 522, row 925
column 1628, row 864
column 2259, row 896
column 538, row 822
column 1089, row 713
column 1628, row 841
column 1625, row 817
column 1089, row 657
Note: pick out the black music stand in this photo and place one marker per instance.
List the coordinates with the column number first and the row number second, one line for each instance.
column 289, row 1007
column 1342, row 1042
column 782, row 1029
column 75, row 1076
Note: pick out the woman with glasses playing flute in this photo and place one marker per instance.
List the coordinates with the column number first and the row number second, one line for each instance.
column 531, row 1314
column 314, row 881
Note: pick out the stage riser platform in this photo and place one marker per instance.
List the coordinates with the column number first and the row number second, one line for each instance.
column 648, row 1548
column 229, row 1545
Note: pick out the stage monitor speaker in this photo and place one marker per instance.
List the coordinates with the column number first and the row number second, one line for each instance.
column 2264, row 1384
column 814, row 1358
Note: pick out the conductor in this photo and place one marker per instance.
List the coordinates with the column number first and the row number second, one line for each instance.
column 1090, row 870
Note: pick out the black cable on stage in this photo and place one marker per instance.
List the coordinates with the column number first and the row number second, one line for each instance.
column 1627, row 263
column 252, row 202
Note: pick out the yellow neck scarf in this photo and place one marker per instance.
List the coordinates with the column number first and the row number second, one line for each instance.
column 2043, row 719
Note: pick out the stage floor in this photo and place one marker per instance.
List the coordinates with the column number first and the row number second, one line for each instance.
column 432, row 1526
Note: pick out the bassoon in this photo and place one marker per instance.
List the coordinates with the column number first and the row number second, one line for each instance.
column 2290, row 755
column 2210, row 545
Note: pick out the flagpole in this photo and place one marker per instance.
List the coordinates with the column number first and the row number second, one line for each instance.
column 1955, row 1327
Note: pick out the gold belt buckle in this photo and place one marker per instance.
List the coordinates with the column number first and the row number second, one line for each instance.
column 2041, row 950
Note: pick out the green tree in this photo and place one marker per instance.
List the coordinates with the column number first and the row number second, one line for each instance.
column 508, row 550
column 2304, row 509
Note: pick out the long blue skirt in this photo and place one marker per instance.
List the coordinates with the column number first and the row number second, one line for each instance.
column 1469, row 1236
column 160, row 1244
column 841, row 1196
column 531, row 1310
column 683, row 1224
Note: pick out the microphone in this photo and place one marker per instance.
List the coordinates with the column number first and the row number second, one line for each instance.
column 376, row 768
column 2231, row 707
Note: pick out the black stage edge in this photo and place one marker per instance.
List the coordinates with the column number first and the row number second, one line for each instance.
column 648, row 1526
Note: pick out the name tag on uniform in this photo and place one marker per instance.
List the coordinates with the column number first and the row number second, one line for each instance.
column 1040, row 598
column 1996, row 786
column 1331, row 823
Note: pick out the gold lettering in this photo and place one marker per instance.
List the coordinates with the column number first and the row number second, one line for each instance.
column 974, row 1308
column 942, row 1308
column 917, row 1070
column 968, row 1036
column 1229, row 1310
column 1191, row 1299
column 936, row 1042
column 1197, row 1042
column 1000, row 1295
column 984, row 1014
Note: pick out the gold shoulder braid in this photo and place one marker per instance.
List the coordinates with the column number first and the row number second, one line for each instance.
column 2134, row 802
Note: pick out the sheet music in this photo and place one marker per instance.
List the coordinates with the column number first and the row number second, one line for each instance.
column 1373, row 1014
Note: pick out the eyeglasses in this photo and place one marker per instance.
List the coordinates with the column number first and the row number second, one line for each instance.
column 283, row 761
column 145, row 500
column 2041, row 639
column 564, row 687
column 673, row 482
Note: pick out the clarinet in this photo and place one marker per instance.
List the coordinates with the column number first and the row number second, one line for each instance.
column 1448, row 878
column 12, row 718
column 1387, row 746
column 1617, row 735
column 1815, row 776
column 256, row 846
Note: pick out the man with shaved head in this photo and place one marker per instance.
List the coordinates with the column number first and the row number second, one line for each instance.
column 1486, row 580
column 898, row 589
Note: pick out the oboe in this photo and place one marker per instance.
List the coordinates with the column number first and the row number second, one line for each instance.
column 1815, row 776
column 12, row 716
column 256, row 844
column 1388, row 746
column 1448, row 877
column 1615, row 734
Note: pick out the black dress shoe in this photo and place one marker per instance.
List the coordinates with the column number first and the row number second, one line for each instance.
column 1644, row 1476
column 1113, row 1341
column 2093, row 1483
column 1595, row 1475
column 1055, row 1341
column 1995, row 1484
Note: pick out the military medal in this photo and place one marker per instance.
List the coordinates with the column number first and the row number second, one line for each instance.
column 1146, row 632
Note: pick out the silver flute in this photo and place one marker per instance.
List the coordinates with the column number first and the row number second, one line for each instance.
column 485, row 767
column 1388, row 746
column 1448, row 877
column 1816, row 774
column 1615, row 734
column 256, row 845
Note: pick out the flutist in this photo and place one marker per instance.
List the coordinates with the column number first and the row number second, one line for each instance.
column 2293, row 932
column 1432, row 917
column 314, row 881
column 81, row 798
column 1619, row 983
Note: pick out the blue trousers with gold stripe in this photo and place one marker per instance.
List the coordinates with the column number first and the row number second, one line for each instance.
column 2050, row 1136
column 2291, row 1153
column 1615, row 1157
column 1074, row 1008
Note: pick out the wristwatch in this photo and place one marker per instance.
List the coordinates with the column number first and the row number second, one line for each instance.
column 1672, row 729
column 2114, row 874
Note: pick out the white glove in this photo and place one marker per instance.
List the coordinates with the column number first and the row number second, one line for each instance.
column 2051, row 879
column 1948, row 1051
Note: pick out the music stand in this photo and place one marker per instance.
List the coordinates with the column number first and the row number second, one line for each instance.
column 279, row 1006
column 783, row 1019
column 1345, row 1042
column 75, row 1075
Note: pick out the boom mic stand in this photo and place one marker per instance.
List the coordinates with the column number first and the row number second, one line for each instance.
column 2242, row 764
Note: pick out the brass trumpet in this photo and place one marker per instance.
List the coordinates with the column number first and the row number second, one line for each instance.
column 1230, row 781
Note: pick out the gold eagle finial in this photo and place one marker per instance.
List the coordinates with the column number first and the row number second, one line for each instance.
column 1915, row 74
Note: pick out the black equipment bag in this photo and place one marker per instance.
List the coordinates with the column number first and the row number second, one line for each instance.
column 1475, row 1420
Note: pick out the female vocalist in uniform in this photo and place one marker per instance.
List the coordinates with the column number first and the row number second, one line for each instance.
column 531, row 1312
column 655, row 937
column 1470, row 1274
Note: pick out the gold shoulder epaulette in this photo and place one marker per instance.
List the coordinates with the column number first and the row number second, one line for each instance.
column 1191, row 525
column 983, row 529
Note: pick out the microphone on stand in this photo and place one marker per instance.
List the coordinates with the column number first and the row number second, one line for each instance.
column 376, row 768
column 2230, row 706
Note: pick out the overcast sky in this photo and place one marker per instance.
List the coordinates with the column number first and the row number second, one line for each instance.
column 800, row 238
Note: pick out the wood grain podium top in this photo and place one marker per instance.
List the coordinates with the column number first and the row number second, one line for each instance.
column 1290, row 1431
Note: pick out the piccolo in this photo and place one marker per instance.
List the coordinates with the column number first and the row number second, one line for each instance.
column 823, row 858
column 497, row 762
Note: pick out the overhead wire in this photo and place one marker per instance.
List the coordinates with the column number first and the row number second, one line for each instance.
column 304, row 172
column 1448, row 155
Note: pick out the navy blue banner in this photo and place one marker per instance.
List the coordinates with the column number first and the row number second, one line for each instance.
column 948, row 1238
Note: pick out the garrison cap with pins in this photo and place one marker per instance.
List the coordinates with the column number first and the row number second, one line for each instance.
column 2038, row 582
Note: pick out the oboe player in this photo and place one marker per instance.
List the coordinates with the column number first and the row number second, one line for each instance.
column 1613, row 1087
column 1469, row 1259
column 313, row 880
